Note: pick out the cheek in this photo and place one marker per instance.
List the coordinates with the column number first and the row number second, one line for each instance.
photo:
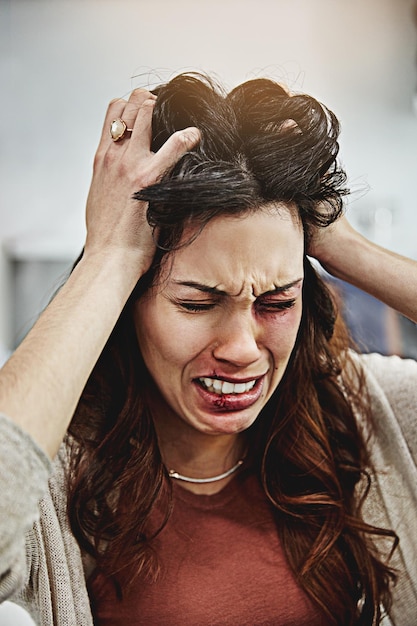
column 281, row 331
column 164, row 337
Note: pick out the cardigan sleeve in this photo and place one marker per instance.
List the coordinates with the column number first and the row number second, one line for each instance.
column 24, row 472
column 41, row 566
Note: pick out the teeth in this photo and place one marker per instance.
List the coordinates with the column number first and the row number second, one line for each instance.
column 222, row 387
column 228, row 388
column 217, row 384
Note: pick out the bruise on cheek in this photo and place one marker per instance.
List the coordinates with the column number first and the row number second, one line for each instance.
column 282, row 330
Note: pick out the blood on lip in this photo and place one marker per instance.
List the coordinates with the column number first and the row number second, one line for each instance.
column 222, row 401
column 231, row 401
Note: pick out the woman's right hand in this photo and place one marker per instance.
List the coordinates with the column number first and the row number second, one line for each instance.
column 116, row 224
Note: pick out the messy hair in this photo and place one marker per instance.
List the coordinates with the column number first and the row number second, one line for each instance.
column 259, row 145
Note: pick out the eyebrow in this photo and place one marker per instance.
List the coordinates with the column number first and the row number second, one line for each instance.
column 220, row 292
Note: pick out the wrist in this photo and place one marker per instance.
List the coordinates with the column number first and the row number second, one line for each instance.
column 124, row 267
column 339, row 248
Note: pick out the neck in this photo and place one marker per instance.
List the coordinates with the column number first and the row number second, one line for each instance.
column 194, row 454
column 203, row 459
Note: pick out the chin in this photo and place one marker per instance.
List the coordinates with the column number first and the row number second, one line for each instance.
column 230, row 423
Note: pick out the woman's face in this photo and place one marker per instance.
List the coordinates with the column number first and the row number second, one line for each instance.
column 218, row 329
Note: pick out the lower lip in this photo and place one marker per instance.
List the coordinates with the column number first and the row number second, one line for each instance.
column 230, row 401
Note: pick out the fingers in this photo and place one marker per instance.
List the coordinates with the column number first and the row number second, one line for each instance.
column 140, row 141
column 126, row 110
column 176, row 146
column 114, row 110
column 137, row 99
column 132, row 153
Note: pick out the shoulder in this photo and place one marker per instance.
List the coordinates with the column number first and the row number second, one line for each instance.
column 390, row 376
column 391, row 385
column 390, row 370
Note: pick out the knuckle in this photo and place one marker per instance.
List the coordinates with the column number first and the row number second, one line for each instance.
column 114, row 166
column 148, row 103
column 139, row 91
column 108, row 159
column 186, row 139
column 181, row 140
column 98, row 159
column 116, row 103
column 139, row 96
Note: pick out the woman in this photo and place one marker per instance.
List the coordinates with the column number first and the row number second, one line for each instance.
column 227, row 456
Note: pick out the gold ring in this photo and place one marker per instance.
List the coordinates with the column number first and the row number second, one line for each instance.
column 118, row 128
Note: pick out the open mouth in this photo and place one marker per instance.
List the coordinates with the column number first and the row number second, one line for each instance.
column 223, row 387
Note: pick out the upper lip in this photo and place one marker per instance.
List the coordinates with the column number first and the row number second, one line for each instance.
column 229, row 379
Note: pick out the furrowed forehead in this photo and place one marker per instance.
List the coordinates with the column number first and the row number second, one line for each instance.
column 217, row 291
column 256, row 253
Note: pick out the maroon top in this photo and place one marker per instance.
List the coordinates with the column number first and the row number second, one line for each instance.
column 221, row 564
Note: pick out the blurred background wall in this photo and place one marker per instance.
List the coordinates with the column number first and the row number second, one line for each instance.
column 61, row 61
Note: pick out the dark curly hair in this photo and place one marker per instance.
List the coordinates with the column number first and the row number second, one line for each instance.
column 259, row 145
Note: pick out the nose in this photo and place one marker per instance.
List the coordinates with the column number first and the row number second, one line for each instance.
column 237, row 340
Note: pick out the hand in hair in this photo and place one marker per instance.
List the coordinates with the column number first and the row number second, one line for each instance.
column 116, row 223
column 346, row 254
column 66, row 341
column 323, row 241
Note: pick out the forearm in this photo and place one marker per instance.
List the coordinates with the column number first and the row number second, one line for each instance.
column 41, row 383
column 388, row 276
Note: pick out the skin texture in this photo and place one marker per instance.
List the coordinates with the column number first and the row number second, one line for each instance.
column 242, row 331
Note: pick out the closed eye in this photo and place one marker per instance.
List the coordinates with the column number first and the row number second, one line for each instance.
column 266, row 306
column 274, row 306
column 195, row 307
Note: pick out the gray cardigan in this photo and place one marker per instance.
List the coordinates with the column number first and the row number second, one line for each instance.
column 41, row 567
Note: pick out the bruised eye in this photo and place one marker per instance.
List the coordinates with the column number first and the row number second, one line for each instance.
column 275, row 306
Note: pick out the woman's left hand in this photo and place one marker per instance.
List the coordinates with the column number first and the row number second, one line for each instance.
column 348, row 255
